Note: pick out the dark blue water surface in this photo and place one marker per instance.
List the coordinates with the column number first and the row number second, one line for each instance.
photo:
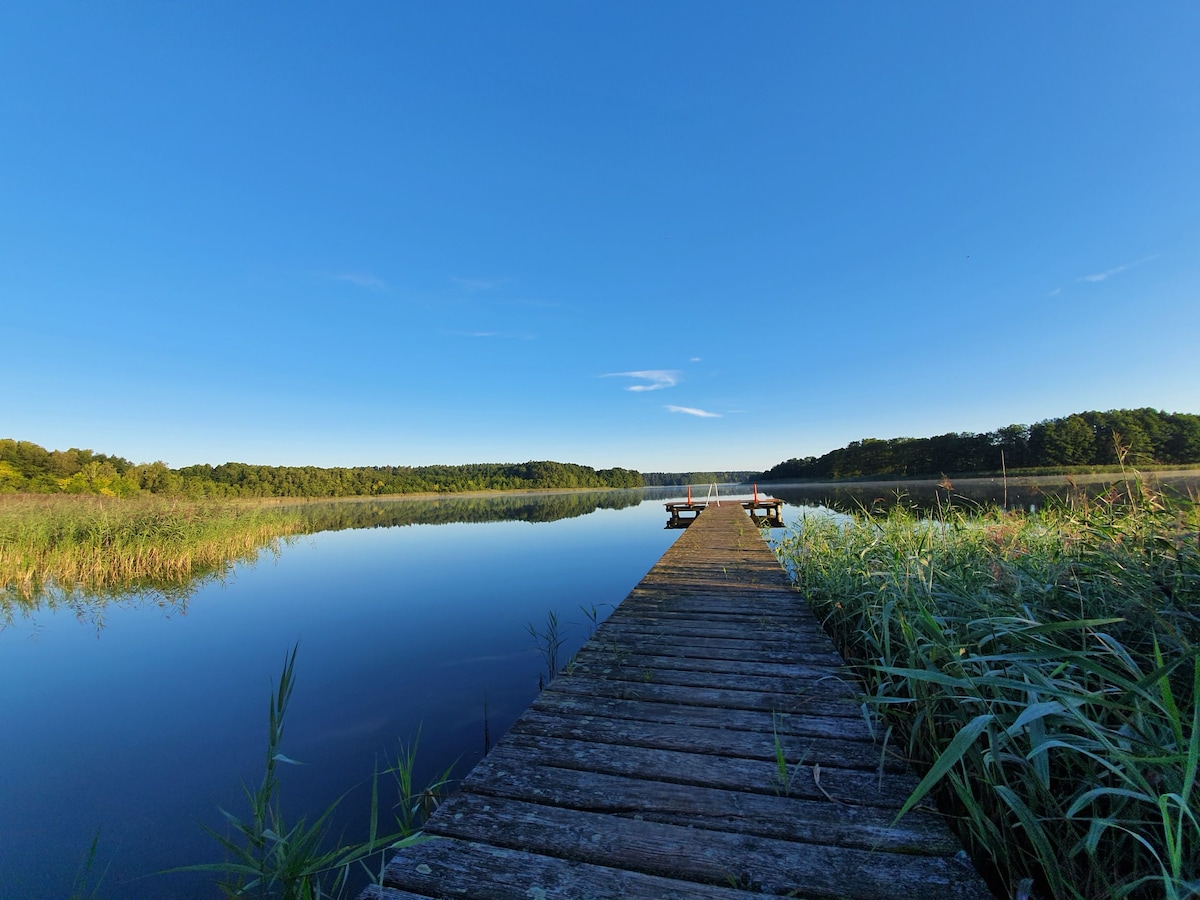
column 139, row 728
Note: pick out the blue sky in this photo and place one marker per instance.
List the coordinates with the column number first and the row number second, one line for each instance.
column 667, row 236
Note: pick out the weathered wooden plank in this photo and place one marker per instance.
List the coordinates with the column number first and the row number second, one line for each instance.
column 701, row 855
column 606, row 670
column 851, row 749
column 785, row 817
column 591, row 658
column 678, row 616
column 675, row 621
column 811, row 703
column 715, row 630
column 717, row 575
column 379, row 892
column 750, row 604
column 714, row 649
column 693, row 561
column 466, row 870
column 735, row 577
column 571, row 706
column 851, row 787
column 727, row 648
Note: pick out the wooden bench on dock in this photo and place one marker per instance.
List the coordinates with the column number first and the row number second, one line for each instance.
column 705, row 742
column 762, row 510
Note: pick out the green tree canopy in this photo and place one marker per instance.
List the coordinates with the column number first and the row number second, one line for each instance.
column 1144, row 436
column 25, row 466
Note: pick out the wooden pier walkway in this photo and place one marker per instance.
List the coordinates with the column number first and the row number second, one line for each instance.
column 648, row 767
column 763, row 511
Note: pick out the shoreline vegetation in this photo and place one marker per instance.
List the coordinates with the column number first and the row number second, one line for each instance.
column 1079, row 442
column 1042, row 669
column 78, row 549
column 26, row 467
column 73, row 548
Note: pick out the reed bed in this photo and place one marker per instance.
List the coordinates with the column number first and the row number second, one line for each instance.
column 1041, row 671
column 101, row 546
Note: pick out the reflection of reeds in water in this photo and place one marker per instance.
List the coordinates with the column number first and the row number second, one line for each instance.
column 1044, row 671
column 82, row 552
column 99, row 547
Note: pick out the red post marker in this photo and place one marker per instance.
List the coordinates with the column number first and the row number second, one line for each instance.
column 689, row 495
column 756, row 495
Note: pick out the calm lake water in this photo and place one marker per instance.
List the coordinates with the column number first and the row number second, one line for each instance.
column 140, row 725
column 136, row 722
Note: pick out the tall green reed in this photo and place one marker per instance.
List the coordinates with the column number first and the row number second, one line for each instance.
column 549, row 641
column 269, row 857
column 97, row 545
column 1041, row 669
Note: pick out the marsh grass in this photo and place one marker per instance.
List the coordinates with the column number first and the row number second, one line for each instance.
column 1042, row 671
column 270, row 856
column 785, row 774
column 89, row 879
column 549, row 641
column 101, row 547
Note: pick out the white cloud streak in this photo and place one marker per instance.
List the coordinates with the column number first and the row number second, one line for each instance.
column 498, row 335
column 692, row 411
column 473, row 285
column 652, row 379
column 1101, row 276
column 362, row 280
column 1108, row 273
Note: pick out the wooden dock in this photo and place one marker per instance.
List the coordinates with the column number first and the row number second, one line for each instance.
column 762, row 510
column 648, row 768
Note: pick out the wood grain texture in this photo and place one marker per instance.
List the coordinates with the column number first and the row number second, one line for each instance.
column 706, row 742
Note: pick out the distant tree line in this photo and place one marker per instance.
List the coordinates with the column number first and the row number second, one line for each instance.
column 1143, row 436
column 28, row 467
column 666, row 479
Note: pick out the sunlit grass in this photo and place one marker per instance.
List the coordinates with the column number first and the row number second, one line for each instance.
column 96, row 545
column 1042, row 670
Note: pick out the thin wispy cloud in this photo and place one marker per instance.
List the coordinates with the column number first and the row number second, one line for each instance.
column 692, row 411
column 474, row 285
column 1101, row 276
column 362, row 280
column 498, row 335
column 1055, row 292
column 650, row 379
column 1108, row 273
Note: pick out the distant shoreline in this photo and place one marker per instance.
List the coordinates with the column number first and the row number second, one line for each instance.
column 980, row 479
